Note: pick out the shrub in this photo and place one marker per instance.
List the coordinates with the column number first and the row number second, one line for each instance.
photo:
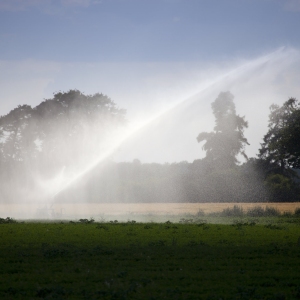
column 287, row 214
column 200, row 213
column 272, row 226
column 281, row 188
column 7, row 220
column 272, row 212
column 297, row 211
column 131, row 222
column 235, row 211
column 256, row 211
column 86, row 221
column 100, row 226
column 186, row 221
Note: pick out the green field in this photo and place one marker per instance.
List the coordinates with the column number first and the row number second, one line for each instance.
column 131, row 260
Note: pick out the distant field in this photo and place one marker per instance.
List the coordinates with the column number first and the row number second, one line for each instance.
column 80, row 210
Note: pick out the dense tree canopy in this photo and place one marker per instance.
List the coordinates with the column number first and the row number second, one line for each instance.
column 281, row 145
column 65, row 132
column 62, row 134
column 73, row 127
column 67, row 124
column 227, row 140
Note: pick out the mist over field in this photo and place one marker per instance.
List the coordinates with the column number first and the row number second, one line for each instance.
column 145, row 156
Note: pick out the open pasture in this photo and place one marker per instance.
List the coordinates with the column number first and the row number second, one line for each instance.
column 131, row 260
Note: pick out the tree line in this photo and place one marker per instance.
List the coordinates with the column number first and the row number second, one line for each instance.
column 60, row 134
column 71, row 129
column 219, row 177
column 275, row 167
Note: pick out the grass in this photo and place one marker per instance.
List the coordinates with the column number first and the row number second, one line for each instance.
column 131, row 260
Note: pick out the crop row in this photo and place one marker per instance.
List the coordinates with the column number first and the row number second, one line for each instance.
column 88, row 260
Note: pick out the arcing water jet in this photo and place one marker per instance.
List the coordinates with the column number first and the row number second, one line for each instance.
column 64, row 182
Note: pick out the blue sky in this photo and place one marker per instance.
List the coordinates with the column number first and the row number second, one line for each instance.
column 145, row 30
column 148, row 55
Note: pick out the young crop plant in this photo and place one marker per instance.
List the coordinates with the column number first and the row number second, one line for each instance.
column 143, row 260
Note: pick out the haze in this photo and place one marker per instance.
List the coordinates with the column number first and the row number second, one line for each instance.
column 164, row 61
column 151, row 56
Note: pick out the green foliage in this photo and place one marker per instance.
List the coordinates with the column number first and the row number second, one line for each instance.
column 57, row 123
column 257, row 211
column 62, row 133
column 7, row 220
column 260, row 212
column 86, row 221
column 177, row 182
column 278, row 182
column 275, row 227
column 186, row 221
column 281, row 146
column 282, row 188
column 236, row 211
column 287, row 214
column 297, row 211
column 280, row 153
column 162, row 261
column 271, row 212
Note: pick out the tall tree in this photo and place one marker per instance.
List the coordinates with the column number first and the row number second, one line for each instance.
column 17, row 134
column 281, row 145
column 67, row 132
column 227, row 140
column 74, row 128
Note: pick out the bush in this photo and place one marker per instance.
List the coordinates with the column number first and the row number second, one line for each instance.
column 7, row 220
column 256, row 211
column 297, row 212
column 235, row 211
column 281, row 188
column 287, row 214
column 86, row 221
column 200, row 213
column 272, row 212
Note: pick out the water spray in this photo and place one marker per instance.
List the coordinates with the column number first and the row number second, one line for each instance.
column 133, row 130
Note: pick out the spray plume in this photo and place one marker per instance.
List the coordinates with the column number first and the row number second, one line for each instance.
column 63, row 183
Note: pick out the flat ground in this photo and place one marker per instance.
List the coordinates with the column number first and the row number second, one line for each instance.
column 151, row 261
column 98, row 210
